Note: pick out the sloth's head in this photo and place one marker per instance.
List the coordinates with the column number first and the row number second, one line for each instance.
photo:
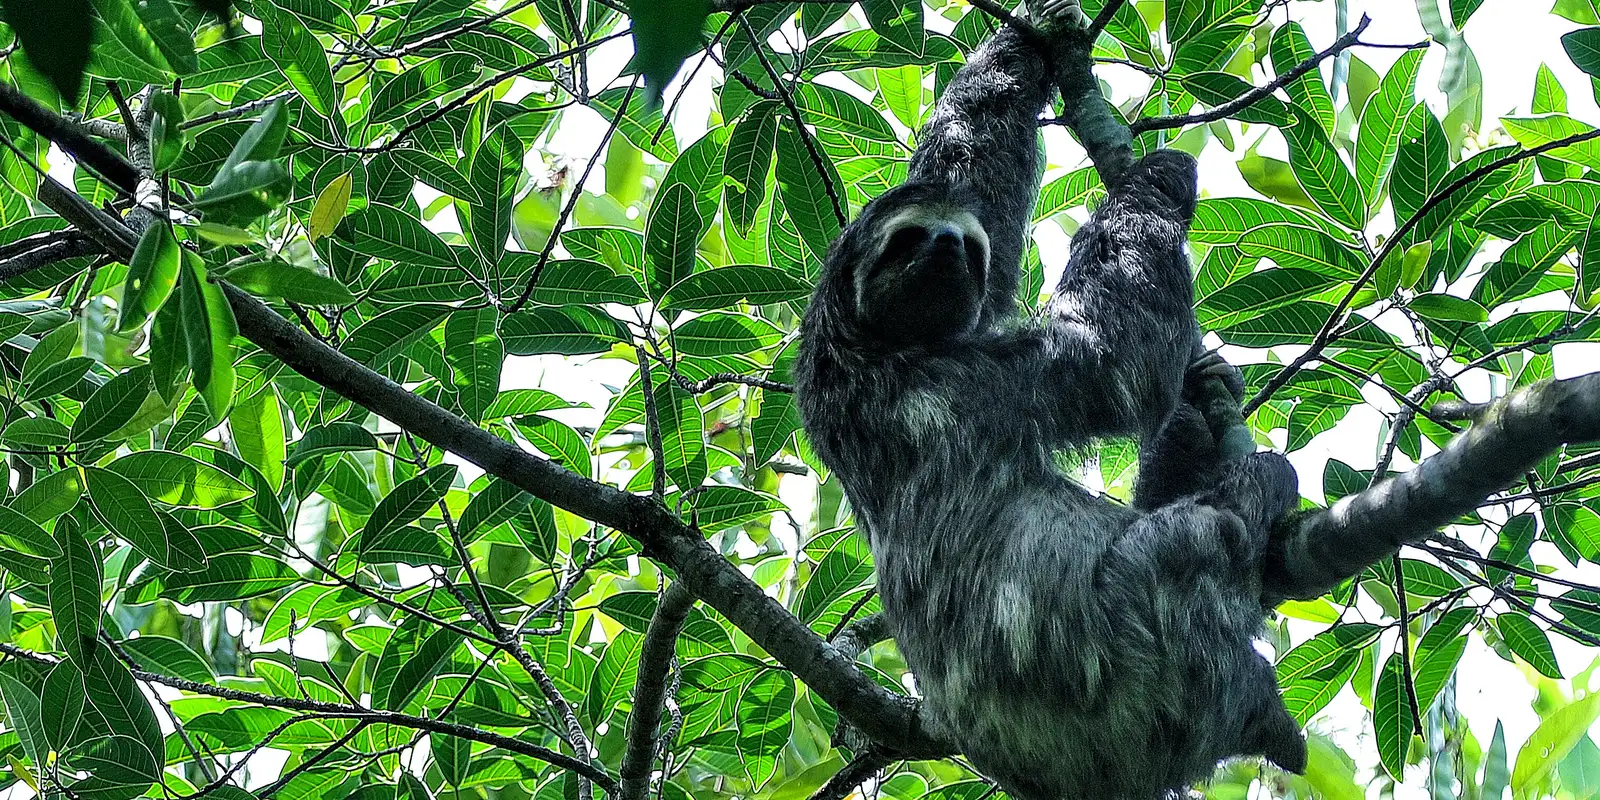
column 923, row 275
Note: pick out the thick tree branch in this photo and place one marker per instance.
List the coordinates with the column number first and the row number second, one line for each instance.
column 887, row 718
column 650, row 689
column 74, row 140
column 1313, row 553
column 42, row 250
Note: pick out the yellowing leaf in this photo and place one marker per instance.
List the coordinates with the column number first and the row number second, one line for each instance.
column 330, row 208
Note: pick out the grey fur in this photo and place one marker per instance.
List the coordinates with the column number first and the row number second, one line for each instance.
column 1074, row 647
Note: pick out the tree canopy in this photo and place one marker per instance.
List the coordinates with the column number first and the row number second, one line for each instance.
column 358, row 445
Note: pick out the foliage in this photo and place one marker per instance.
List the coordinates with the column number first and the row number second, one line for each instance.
column 184, row 511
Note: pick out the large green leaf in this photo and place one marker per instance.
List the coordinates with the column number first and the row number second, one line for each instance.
column 55, row 35
column 75, row 594
column 299, row 56
column 421, row 83
column 496, row 166
column 1381, row 120
column 1323, row 175
column 388, row 232
column 1289, row 49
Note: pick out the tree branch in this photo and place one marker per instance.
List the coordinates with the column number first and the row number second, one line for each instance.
column 888, row 718
column 370, row 716
column 1325, row 336
column 1256, row 94
column 112, row 167
column 858, row 771
column 1313, row 553
column 650, row 689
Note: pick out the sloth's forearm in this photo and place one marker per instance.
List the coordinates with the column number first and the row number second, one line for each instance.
column 1313, row 553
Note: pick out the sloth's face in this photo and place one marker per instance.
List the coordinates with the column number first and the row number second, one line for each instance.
column 926, row 278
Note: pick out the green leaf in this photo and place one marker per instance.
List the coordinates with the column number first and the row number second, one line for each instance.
column 118, row 767
column 1316, row 669
column 75, row 594
column 23, row 535
column 433, row 78
column 496, row 166
column 128, row 514
column 112, row 406
column 244, row 192
column 209, row 328
column 1322, row 174
column 168, row 139
column 229, row 577
column 1589, row 263
column 1219, row 88
column 1529, row 642
column 1223, row 220
column 568, row 330
column 473, row 350
column 491, row 506
column 846, row 567
column 1392, row 718
column 335, row 437
column 118, row 699
column 723, row 288
column 558, row 441
column 386, row 232
column 1583, row 47
column 1448, row 308
column 152, row 274
column 124, row 31
column 165, row 656
column 718, row 508
column 1076, row 188
column 378, row 340
column 771, row 429
column 1421, row 162
column 409, row 501
column 765, row 719
column 56, row 36
column 672, row 236
column 720, row 334
column 833, row 110
column 682, row 435
column 1531, row 132
column 409, row 661
column 26, row 718
column 1296, row 247
column 1381, row 120
column 438, row 173
column 1496, row 774
column 665, row 32
column 1289, row 49
column 170, row 34
column 747, row 162
column 1258, row 293
column 806, row 191
column 274, row 277
column 579, row 281
column 299, row 56
column 179, row 480
column 1556, row 735
column 64, row 694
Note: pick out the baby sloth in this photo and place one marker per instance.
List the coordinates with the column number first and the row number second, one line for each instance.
column 1072, row 646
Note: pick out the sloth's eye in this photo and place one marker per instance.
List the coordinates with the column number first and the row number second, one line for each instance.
column 904, row 240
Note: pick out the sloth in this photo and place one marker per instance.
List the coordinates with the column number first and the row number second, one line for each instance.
column 1070, row 645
